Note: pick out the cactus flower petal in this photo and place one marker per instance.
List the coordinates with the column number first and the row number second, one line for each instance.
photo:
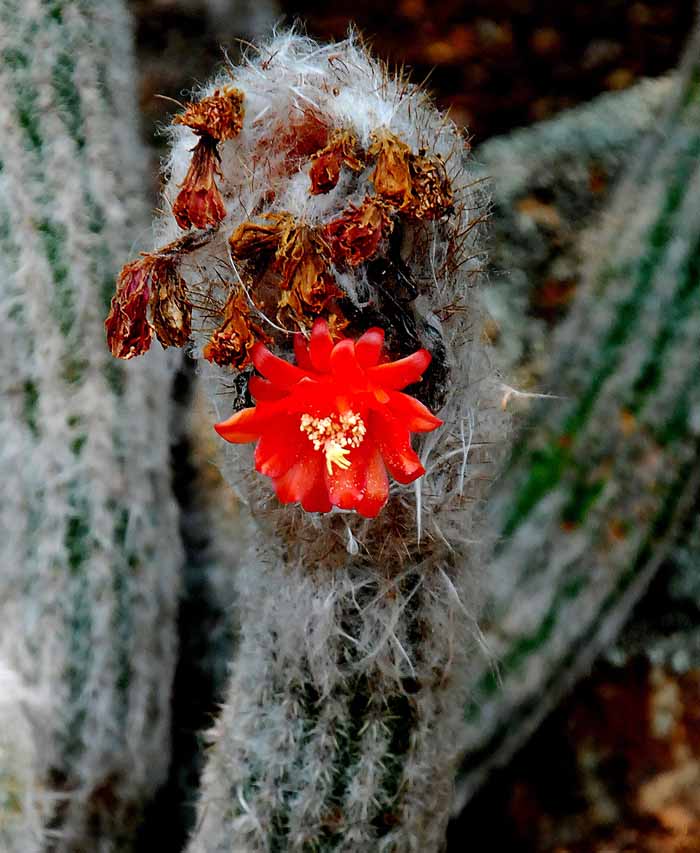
column 330, row 430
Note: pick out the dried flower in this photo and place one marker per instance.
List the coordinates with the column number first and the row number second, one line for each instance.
column 170, row 307
column 325, row 167
column 129, row 332
column 252, row 239
column 152, row 280
column 300, row 135
column 219, row 116
column 199, row 203
column 431, row 192
column 302, row 262
column 231, row 343
column 329, row 428
column 298, row 258
column 391, row 175
column 414, row 184
column 355, row 236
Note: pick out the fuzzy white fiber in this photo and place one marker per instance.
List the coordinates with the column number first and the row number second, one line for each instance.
column 345, row 702
column 89, row 547
column 24, row 802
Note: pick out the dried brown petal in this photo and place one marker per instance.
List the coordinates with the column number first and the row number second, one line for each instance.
column 354, row 237
column 219, row 116
column 199, row 203
column 231, row 343
column 171, row 310
column 128, row 331
column 431, row 193
column 251, row 239
column 325, row 168
column 391, row 175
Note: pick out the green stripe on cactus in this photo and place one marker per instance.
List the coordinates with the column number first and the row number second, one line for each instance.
column 77, row 540
column 684, row 299
column 547, row 464
column 68, row 98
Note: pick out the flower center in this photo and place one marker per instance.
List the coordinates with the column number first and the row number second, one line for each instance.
column 335, row 435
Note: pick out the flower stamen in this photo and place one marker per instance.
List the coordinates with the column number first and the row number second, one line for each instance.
column 335, row 435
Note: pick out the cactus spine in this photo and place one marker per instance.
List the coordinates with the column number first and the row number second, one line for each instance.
column 89, row 548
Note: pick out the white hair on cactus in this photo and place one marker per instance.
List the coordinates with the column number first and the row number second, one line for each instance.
column 341, row 723
column 286, row 82
column 25, row 804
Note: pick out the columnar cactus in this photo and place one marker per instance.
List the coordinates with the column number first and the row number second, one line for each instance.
column 323, row 209
column 89, row 550
column 604, row 475
column 549, row 182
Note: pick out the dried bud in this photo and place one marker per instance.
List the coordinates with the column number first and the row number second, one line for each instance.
column 252, row 239
column 172, row 311
column 392, row 174
column 231, row 343
column 355, row 236
column 219, row 116
column 199, row 203
column 325, row 168
column 128, row 331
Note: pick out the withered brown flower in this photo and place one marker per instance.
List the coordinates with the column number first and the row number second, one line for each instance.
column 354, row 237
column 219, row 116
column 151, row 281
column 170, row 308
column 392, row 174
column 129, row 332
column 231, row 343
column 342, row 149
column 252, row 239
column 302, row 260
column 298, row 258
column 414, row 184
column 431, row 192
column 199, row 203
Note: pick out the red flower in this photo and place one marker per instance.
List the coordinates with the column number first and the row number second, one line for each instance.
column 329, row 428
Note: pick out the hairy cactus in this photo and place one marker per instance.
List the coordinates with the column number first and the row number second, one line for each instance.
column 89, row 549
column 604, row 475
column 313, row 194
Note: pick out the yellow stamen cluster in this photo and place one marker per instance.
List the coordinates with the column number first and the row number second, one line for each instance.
column 335, row 435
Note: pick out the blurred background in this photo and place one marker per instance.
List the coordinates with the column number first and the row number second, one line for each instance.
column 616, row 767
column 496, row 65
